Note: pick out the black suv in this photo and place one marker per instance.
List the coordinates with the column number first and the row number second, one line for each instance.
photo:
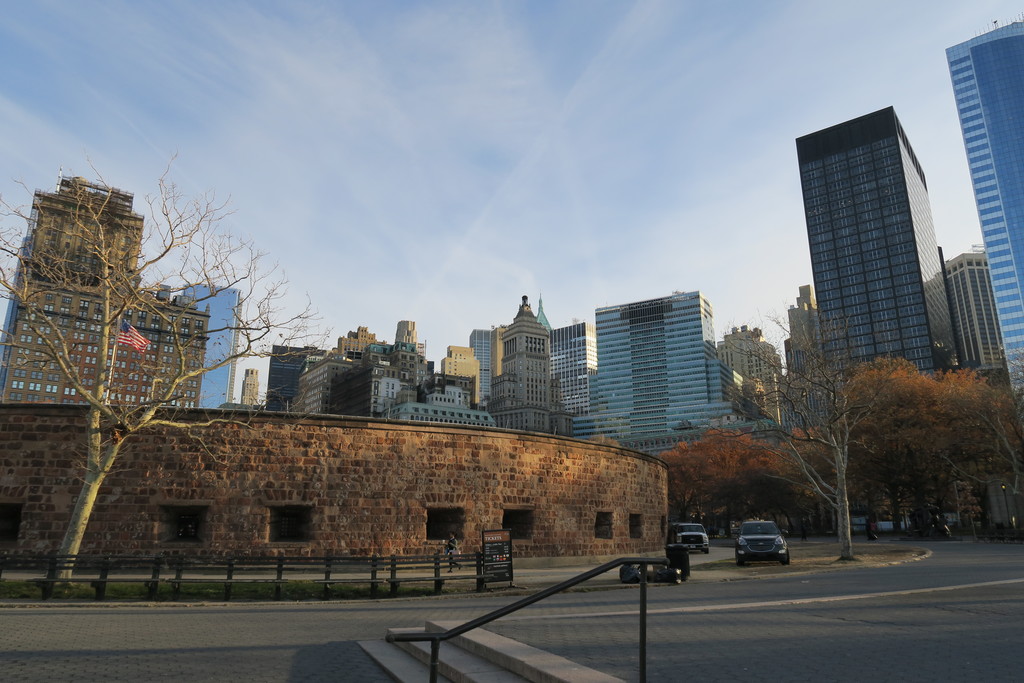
column 759, row 540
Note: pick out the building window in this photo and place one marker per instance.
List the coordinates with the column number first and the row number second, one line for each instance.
column 441, row 522
column 520, row 522
column 290, row 523
column 183, row 523
column 636, row 526
column 10, row 521
column 603, row 525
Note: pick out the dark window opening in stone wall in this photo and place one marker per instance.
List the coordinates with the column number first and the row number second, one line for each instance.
column 10, row 521
column 664, row 526
column 519, row 521
column 636, row 526
column 182, row 523
column 441, row 522
column 290, row 523
column 603, row 525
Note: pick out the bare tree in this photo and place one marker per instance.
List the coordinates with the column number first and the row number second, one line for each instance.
column 86, row 268
column 823, row 395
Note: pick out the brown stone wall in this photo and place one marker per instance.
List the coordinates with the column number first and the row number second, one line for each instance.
column 366, row 485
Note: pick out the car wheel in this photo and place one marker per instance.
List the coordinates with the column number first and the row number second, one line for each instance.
column 785, row 560
column 740, row 563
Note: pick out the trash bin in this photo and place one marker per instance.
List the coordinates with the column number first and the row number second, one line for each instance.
column 678, row 558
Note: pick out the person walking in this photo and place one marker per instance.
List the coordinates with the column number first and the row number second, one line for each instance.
column 452, row 550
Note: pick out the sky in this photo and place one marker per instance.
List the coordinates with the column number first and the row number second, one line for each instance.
column 436, row 161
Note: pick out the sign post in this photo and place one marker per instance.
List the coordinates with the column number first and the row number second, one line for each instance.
column 497, row 545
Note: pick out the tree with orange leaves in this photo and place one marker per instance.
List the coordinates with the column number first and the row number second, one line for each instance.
column 726, row 475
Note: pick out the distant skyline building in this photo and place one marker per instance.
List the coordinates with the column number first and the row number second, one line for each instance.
column 480, row 342
column 804, row 334
column 219, row 384
column 749, row 354
column 352, row 344
column 987, row 74
column 461, row 362
column 251, row 387
column 541, row 317
column 877, row 271
column 285, row 367
column 658, row 374
column 574, row 364
column 974, row 312
column 521, row 391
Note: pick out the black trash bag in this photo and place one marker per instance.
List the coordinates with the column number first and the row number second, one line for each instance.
column 668, row 575
column 629, row 573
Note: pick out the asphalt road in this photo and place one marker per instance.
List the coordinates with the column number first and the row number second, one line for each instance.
column 953, row 616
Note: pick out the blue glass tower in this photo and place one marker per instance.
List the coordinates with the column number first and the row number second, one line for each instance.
column 658, row 373
column 219, row 384
column 988, row 83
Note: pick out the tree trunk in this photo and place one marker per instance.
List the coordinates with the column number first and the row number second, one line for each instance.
column 82, row 511
column 843, row 533
column 98, row 462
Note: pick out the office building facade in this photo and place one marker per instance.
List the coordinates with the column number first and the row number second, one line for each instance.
column 988, row 83
column 461, row 362
column 521, row 391
column 658, row 374
column 81, row 247
column 286, row 366
column 975, row 318
column 804, row 336
column 878, row 275
column 574, row 365
column 251, row 387
column 222, row 345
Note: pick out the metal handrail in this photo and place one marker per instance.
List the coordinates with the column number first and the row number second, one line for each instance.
column 436, row 638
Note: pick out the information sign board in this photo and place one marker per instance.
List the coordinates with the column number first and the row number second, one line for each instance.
column 497, row 545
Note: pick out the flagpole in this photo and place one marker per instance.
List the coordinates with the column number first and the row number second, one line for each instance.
column 105, row 389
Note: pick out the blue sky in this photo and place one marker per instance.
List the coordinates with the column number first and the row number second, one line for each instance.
column 434, row 161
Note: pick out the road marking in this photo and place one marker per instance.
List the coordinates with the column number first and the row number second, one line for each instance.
column 767, row 603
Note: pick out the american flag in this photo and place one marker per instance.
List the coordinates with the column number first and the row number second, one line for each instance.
column 129, row 336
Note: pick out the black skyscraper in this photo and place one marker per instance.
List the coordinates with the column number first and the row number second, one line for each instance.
column 877, row 268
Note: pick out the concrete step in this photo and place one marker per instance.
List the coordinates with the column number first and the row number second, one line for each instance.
column 521, row 659
column 481, row 656
column 398, row 664
column 410, row 662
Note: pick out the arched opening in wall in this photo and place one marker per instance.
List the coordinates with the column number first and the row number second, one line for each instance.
column 10, row 521
column 636, row 526
column 603, row 525
column 520, row 522
column 186, row 523
column 290, row 523
column 442, row 522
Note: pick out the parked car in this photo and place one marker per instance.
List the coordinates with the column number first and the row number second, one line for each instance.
column 760, row 540
column 691, row 535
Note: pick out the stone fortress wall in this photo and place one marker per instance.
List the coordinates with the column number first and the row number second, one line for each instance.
column 285, row 485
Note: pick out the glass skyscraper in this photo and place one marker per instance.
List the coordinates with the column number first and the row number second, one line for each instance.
column 878, row 274
column 574, row 364
column 988, row 83
column 658, row 373
column 219, row 384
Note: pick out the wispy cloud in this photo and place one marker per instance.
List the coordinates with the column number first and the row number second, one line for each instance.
column 435, row 161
